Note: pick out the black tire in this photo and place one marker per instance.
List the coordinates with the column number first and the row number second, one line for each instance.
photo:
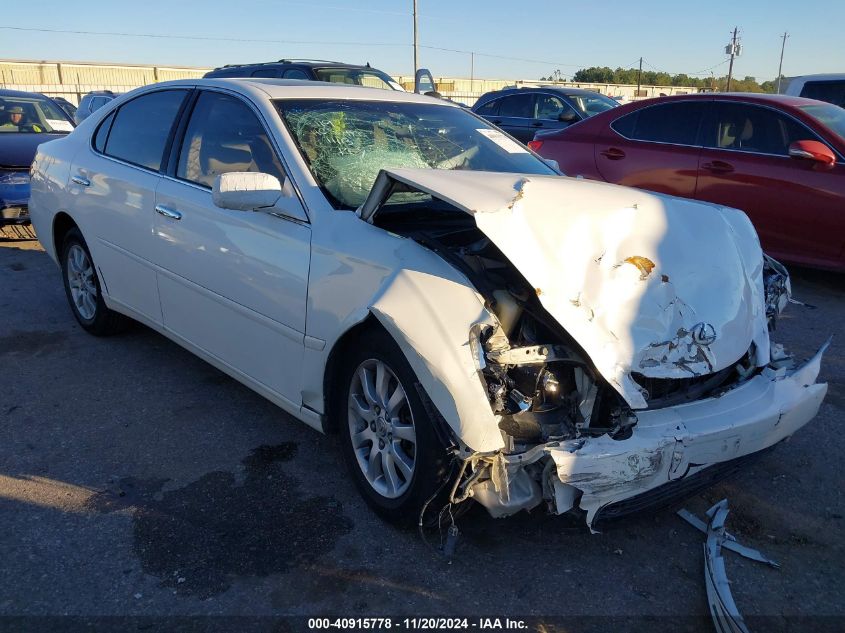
column 103, row 321
column 432, row 463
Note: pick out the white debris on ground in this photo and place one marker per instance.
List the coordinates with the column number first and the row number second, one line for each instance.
column 726, row 616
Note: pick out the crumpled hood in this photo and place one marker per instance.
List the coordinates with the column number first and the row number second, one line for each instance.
column 645, row 283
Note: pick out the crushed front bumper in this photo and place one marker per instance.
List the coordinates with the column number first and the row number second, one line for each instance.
column 677, row 442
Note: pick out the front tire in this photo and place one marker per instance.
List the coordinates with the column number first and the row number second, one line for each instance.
column 82, row 288
column 389, row 443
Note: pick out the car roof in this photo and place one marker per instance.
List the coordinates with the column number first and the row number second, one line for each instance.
column 19, row 93
column 819, row 77
column 262, row 88
column 311, row 63
column 559, row 89
column 748, row 97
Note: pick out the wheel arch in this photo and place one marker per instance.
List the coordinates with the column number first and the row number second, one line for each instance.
column 343, row 344
column 62, row 223
column 429, row 318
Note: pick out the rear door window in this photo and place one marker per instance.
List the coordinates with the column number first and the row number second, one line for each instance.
column 518, row 106
column 675, row 123
column 142, row 126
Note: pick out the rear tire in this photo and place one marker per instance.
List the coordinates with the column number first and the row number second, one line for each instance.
column 82, row 288
column 388, row 442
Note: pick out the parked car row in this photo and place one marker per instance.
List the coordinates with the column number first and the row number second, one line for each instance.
column 26, row 120
column 395, row 269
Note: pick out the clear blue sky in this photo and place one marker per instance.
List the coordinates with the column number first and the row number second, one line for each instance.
column 671, row 36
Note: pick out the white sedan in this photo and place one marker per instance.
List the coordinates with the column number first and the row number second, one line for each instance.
column 391, row 268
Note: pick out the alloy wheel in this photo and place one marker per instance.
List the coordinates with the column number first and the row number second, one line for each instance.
column 381, row 426
column 83, row 286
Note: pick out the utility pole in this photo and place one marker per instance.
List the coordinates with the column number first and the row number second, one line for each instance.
column 780, row 66
column 639, row 77
column 472, row 72
column 416, row 41
column 733, row 49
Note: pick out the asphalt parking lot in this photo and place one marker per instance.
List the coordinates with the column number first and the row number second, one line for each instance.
column 137, row 480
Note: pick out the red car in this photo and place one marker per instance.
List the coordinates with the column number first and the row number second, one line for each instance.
column 780, row 159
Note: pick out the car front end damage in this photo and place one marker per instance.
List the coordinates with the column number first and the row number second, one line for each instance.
column 665, row 445
column 625, row 351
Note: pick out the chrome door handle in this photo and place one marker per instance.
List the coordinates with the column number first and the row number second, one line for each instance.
column 168, row 212
column 79, row 180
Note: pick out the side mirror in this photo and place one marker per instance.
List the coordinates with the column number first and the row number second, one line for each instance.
column 424, row 82
column 551, row 162
column 812, row 150
column 245, row 191
column 567, row 117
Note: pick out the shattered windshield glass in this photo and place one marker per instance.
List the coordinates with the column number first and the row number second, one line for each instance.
column 346, row 143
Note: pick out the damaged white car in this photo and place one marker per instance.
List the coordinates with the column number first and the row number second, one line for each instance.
column 392, row 268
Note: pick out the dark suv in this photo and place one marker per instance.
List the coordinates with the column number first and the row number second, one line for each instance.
column 92, row 102
column 321, row 70
column 522, row 112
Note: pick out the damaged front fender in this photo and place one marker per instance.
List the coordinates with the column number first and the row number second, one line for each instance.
column 440, row 353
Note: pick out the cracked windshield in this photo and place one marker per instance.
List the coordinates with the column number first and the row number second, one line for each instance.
column 346, row 143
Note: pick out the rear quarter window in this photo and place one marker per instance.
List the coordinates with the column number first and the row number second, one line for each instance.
column 489, row 109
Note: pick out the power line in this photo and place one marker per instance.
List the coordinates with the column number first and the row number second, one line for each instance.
column 280, row 41
column 517, row 59
column 340, row 8
column 198, row 37
column 705, row 71
column 205, row 38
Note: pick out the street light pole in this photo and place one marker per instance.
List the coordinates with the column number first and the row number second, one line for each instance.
column 416, row 41
column 780, row 66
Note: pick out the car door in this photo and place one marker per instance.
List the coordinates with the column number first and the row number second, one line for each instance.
column 233, row 283
column 112, row 192
column 654, row 148
column 552, row 113
column 515, row 116
column 792, row 202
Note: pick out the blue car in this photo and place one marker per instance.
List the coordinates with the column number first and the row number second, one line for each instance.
column 27, row 119
column 523, row 112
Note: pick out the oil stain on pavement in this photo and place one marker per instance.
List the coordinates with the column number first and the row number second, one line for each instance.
column 199, row 538
column 31, row 342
